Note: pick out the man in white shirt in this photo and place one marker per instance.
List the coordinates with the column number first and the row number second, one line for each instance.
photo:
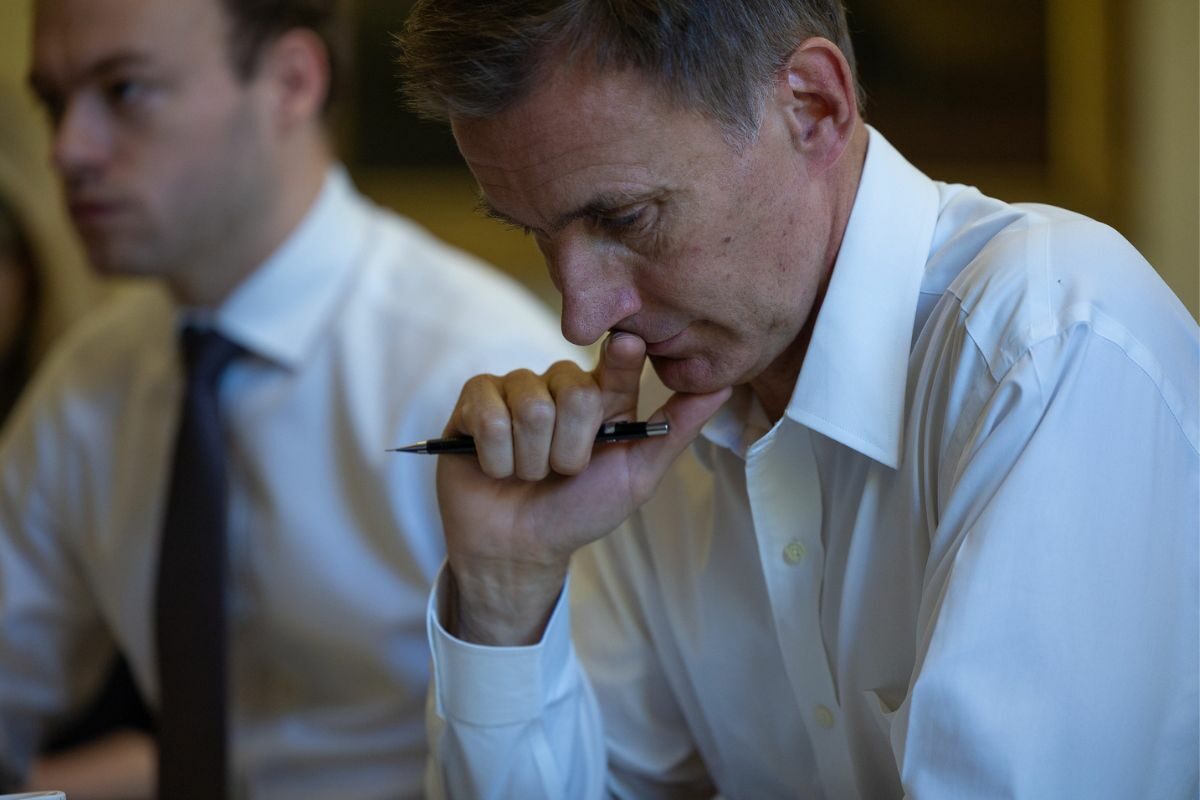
column 935, row 534
column 189, row 136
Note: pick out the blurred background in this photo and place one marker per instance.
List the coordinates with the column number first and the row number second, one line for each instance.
column 1092, row 105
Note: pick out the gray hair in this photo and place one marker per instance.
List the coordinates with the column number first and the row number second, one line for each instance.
column 472, row 59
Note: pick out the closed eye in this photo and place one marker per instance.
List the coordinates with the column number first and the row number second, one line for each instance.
column 483, row 207
column 126, row 91
column 618, row 223
column 524, row 230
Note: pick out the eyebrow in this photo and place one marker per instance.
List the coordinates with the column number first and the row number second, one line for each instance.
column 597, row 206
column 113, row 63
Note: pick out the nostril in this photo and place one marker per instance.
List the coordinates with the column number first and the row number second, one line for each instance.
column 575, row 328
column 588, row 315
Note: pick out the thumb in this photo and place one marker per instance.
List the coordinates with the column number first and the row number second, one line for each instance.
column 619, row 373
column 686, row 414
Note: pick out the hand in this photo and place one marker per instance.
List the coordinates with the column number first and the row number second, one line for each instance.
column 537, row 491
column 116, row 766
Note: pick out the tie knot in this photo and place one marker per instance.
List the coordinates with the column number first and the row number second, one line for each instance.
column 206, row 353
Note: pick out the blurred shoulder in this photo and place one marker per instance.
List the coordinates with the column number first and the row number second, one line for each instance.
column 132, row 326
column 438, row 297
column 115, row 364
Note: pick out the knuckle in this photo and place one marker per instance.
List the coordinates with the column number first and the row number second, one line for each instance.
column 478, row 385
column 535, row 414
column 564, row 368
column 520, row 376
column 493, row 428
column 477, row 400
column 580, row 399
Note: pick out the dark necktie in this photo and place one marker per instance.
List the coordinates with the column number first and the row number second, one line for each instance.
column 190, row 609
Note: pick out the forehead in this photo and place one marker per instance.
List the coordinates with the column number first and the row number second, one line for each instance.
column 571, row 112
column 72, row 37
column 581, row 131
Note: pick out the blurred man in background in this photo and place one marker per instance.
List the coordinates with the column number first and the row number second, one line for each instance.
column 45, row 287
column 935, row 533
column 202, row 484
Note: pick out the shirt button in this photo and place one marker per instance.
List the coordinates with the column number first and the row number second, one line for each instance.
column 824, row 716
column 794, row 552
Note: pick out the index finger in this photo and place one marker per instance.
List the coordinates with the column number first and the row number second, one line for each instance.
column 482, row 413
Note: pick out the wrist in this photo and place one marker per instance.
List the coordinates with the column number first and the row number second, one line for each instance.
column 509, row 607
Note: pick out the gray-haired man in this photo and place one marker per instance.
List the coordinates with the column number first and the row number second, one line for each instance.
column 935, row 534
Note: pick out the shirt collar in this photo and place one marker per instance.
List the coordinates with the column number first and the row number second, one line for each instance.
column 853, row 381
column 739, row 423
column 279, row 311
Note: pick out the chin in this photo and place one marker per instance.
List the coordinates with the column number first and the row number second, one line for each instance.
column 690, row 375
column 120, row 262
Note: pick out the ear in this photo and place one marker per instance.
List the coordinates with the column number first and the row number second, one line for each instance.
column 815, row 91
column 296, row 70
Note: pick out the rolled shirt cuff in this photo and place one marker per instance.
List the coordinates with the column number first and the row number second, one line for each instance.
column 483, row 685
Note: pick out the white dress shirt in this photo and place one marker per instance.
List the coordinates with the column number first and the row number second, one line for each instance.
column 361, row 330
column 962, row 565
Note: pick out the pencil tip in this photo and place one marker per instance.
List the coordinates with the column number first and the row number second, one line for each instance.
column 419, row 447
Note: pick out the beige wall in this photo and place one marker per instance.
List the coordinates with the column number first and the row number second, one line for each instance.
column 14, row 38
column 1163, row 145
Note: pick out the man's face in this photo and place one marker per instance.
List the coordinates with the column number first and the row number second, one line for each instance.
column 158, row 144
column 652, row 222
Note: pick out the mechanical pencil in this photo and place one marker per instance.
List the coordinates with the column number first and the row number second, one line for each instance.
column 609, row 432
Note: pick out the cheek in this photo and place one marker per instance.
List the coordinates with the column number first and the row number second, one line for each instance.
column 727, row 276
column 210, row 177
column 165, row 173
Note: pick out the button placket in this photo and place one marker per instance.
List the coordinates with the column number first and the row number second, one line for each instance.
column 785, row 503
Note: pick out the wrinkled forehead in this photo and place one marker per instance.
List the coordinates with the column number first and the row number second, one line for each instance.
column 73, row 38
column 566, row 112
column 582, row 141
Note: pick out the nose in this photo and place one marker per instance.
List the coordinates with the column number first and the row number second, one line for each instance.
column 597, row 290
column 82, row 141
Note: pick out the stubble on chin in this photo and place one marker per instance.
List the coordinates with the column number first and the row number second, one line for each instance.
column 112, row 258
column 690, row 375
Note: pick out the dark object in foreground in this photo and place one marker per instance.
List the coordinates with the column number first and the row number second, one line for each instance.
column 609, row 432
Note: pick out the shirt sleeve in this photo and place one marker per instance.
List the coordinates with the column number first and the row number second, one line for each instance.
column 511, row 722
column 53, row 647
column 529, row 722
column 1057, row 651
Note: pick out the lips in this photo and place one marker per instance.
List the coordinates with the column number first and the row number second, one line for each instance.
column 663, row 347
column 93, row 213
